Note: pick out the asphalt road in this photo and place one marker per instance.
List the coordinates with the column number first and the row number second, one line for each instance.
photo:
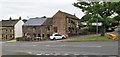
column 60, row 48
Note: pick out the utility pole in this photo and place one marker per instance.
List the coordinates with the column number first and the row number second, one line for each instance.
column 96, row 26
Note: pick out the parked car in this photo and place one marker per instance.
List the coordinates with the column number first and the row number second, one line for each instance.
column 110, row 30
column 56, row 36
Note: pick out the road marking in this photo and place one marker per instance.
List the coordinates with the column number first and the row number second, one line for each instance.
column 86, row 46
column 45, row 42
column 47, row 54
column 34, row 45
column 30, row 52
column 84, row 54
column 57, row 54
column 2, row 42
column 39, row 54
column 44, row 54
column 66, row 54
column 55, row 45
column 20, row 45
column 63, row 45
column 76, row 54
column 47, row 45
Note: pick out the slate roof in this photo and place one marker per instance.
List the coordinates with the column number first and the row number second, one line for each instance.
column 8, row 22
column 38, row 22
column 48, row 21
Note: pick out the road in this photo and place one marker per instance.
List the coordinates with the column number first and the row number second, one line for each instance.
column 60, row 48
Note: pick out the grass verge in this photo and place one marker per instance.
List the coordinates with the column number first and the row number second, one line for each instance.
column 91, row 38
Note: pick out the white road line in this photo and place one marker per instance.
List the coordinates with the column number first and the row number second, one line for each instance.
column 57, row 54
column 76, row 54
column 43, row 54
column 21, row 45
column 47, row 45
column 47, row 54
column 2, row 42
column 45, row 42
column 86, row 46
column 34, row 45
column 63, row 45
column 30, row 52
column 66, row 54
column 55, row 45
column 39, row 54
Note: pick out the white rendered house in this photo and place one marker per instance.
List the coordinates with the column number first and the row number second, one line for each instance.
column 18, row 28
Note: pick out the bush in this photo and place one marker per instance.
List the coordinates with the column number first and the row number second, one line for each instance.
column 84, row 32
column 92, row 29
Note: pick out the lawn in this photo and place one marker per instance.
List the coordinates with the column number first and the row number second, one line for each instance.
column 91, row 38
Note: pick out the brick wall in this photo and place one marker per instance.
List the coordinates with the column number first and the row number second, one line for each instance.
column 59, row 21
column 62, row 22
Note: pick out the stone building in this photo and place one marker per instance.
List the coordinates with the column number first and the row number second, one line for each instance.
column 11, row 29
column 37, row 28
column 66, row 24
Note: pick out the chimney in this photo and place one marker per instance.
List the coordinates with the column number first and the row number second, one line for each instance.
column 44, row 17
column 10, row 18
column 20, row 18
column 74, row 14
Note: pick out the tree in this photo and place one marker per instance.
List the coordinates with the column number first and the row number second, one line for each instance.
column 117, row 18
column 101, row 11
column 117, row 11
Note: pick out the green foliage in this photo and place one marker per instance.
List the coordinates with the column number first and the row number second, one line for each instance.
column 101, row 11
column 117, row 18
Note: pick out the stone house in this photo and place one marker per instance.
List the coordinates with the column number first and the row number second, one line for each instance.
column 66, row 24
column 11, row 29
column 37, row 28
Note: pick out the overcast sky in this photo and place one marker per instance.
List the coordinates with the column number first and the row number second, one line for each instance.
column 36, row 8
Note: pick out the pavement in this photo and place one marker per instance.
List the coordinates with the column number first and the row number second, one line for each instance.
column 11, row 41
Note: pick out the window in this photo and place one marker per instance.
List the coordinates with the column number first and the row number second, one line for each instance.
column 73, row 29
column 48, row 28
column 2, row 35
column 34, row 35
column 69, row 28
column 6, row 36
column 10, row 35
column 10, row 30
column 39, row 35
column 48, row 35
column 55, row 29
column 42, row 35
column 34, row 29
column 69, row 21
column 6, row 30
